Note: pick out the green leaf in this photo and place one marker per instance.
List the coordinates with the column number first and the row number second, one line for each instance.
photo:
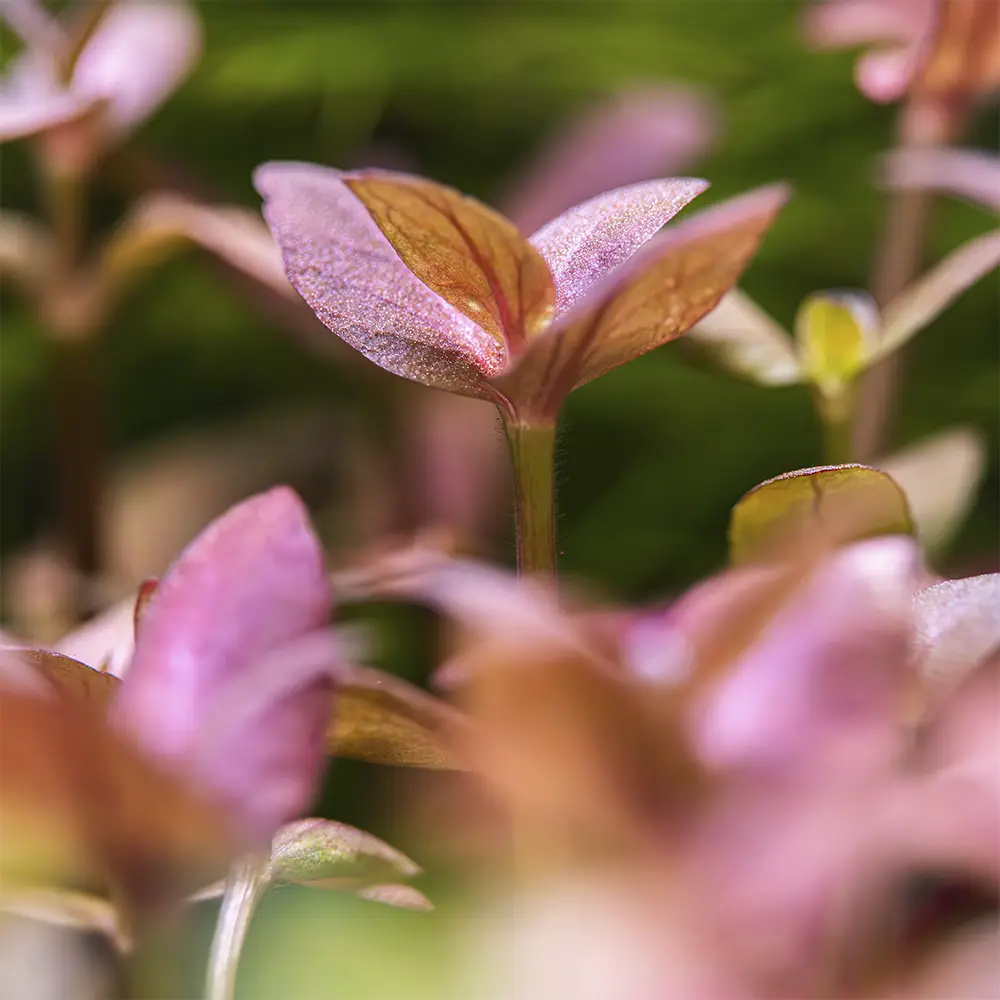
column 333, row 855
column 839, row 503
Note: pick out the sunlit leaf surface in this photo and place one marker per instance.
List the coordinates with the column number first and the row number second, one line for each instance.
column 469, row 254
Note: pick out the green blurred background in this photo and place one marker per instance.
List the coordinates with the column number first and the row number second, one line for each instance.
column 651, row 456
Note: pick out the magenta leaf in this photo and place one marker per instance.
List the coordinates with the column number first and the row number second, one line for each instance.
column 587, row 242
column 828, row 677
column 229, row 680
column 138, row 55
column 347, row 271
column 657, row 294
column 957, row 626
column 638, row 135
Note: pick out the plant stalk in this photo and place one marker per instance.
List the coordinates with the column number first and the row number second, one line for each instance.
column 923, row 122
column 837, row 414
column 897, row 262
column 245, row 884
column 532, row 451
column 79, row 446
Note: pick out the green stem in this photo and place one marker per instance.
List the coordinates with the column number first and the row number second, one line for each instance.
column 836, row 412
column 245, row 884
column 532, row 449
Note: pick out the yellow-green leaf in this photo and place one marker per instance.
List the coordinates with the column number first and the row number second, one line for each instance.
column 469, row 254
column 333, row 855
column 841, row 503
column 836, row 332
column 384, row 720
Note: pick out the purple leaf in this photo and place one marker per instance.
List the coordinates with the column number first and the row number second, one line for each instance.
column 590, row 240
column 339, row 261
column 968, row 173
column 138, row 55
column 957, row 625
column 229, row 680
column 828, row 678
column 638, row 135
column 895, row 28
column 656, row 295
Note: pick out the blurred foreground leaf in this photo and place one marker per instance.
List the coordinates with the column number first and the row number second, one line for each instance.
column 382, row 719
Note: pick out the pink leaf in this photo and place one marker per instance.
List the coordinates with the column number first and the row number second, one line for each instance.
column 968, row 173
column 658, row 294
column 137, row 56
column 638, row 135
column 339, row 261
column 827, row 679
column 590, row 240
column 220, row 683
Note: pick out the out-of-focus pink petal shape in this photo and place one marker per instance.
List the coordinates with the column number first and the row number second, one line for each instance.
column 37, row 28
column 885, row 75
column 808, row 727
column 898, row 29
column 455, row 466
column 219, row 682
column 29, row 105
column 948, row 813
column 160, row 221
column 967, row 173
column 829, row 675
column 843, row 23
column 957, row 625
column 584, row 244
column 262, row 749
column 138, row 55
column 660, row 645
column 347, row 271
column 634, row 136
column 658, row 294
column 940, row 476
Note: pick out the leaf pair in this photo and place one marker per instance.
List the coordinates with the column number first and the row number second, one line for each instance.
column 434, row 286
column 105, row 77
column 324, row 854
column 837, row 334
